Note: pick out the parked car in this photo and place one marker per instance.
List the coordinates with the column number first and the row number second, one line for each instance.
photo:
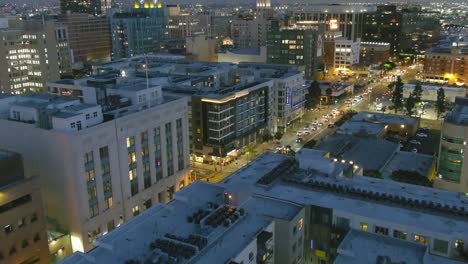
column 415, row 150
column 299, row 140
column 422, row 135
column 320, row 124
column 314, row 123
column 299, row 133
column 279, row 147
column 306, row 133
column 313, row 128
column 331, row 125
column 415, row 142
column 306, row 128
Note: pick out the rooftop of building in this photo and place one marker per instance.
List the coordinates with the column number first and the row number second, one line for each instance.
column 408, row 161
column 384, row 249
column 361, row 128
column 333, row 8
column 460, row 50
column 246, row 51
column 377, row 247
column 359, row 149
column 428, row 86
column 384, row 118
column 365, row 195
column 213, row 243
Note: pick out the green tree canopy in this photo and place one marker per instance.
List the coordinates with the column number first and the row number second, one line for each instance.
column 410, row 104
column 440, row 103
column 417, row 93
column 397, row 96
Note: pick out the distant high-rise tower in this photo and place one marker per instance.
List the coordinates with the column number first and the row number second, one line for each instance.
column 263, row 4
column 94, row 7
column 264, row 8
column 147, row 4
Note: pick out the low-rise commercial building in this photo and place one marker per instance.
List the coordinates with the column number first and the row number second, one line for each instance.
column 430, row 91
column 446, row 65
column 374, row 53
column 252, row 55
column 346, row 55
column 403, row 125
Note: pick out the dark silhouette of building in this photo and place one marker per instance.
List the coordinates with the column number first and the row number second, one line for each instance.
column 384, row 25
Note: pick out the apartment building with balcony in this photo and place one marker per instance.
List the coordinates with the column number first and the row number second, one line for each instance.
column 22, row 219
column 105, row 156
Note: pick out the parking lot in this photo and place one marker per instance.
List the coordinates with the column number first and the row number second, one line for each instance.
column 426, row 141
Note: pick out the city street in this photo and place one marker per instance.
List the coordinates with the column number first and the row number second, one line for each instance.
column 380, row 93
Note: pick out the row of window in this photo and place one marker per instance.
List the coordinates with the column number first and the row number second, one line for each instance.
column 439, row 246
column 22, row 222
column 91, row 180
column 24, row 244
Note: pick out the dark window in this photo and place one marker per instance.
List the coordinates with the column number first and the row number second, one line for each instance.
column 15, row 203
column 8, row 229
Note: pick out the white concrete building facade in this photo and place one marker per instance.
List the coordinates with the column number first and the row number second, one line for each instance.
column 96, row 176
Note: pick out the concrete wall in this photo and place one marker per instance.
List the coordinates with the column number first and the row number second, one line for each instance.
column 31, row 230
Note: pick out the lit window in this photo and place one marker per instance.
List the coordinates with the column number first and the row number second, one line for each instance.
column 420, row 239
column 301, row 223
column 132, row 174
column 364, row 226
column 135, row 210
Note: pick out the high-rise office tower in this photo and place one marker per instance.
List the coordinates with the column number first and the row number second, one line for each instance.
column 93, row 7
column 384, row 26
column 349, row 19
column 137, row 31
column 29, row 56
column 299, row 45
column 88, row 36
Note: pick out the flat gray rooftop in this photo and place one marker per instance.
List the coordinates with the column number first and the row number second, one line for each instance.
column 408, row 161
column 359, row 149
column 363, row 247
